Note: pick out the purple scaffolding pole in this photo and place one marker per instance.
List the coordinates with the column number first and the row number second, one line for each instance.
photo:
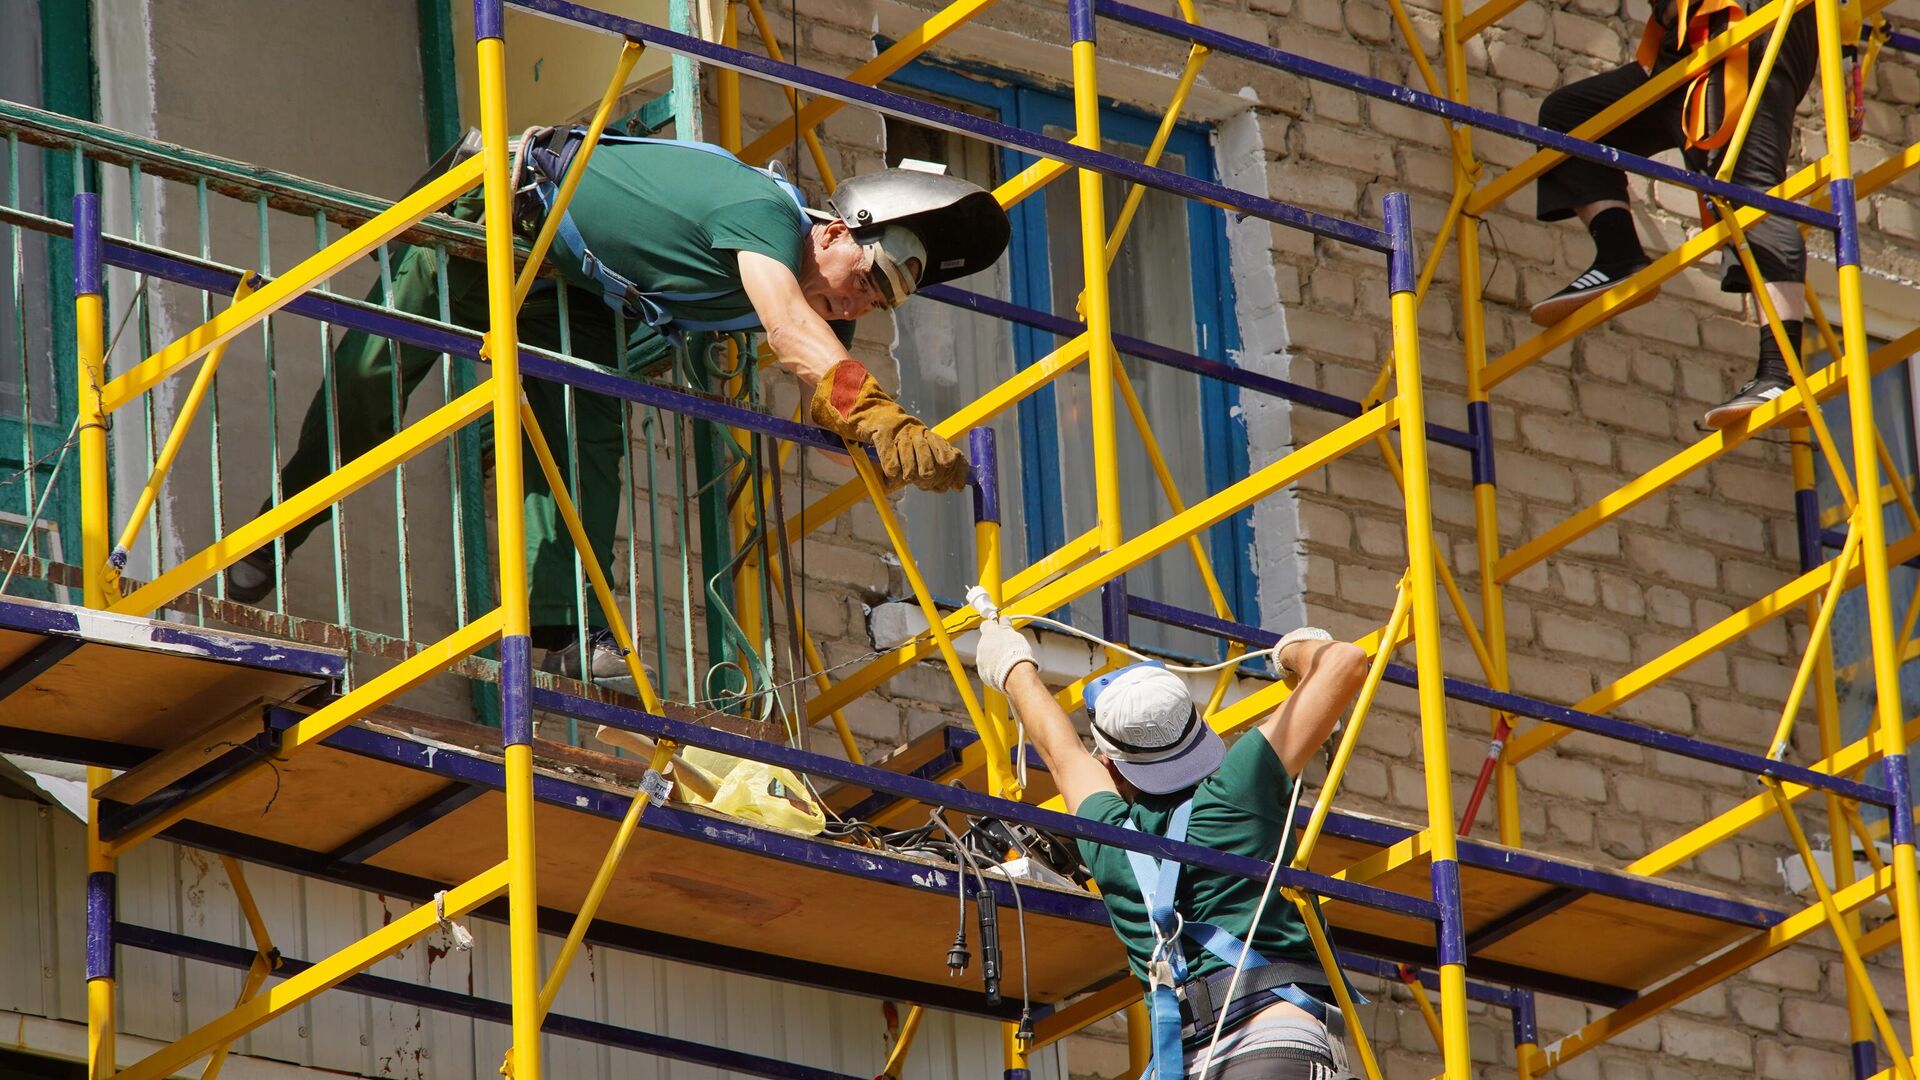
column 960, row 123
column 479, row 1008
column 1465, row 114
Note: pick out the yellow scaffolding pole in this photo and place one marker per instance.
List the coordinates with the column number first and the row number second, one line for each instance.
column 323, row 975
column 872, row 73
column 1083, row 579
column 1101, row 358
column 516, row 709
column 311, row 271
column 170, row 450
column 101, row 887
column 991, row 737
column 1866, row 466
column 1794, row 928
column 1421, row 583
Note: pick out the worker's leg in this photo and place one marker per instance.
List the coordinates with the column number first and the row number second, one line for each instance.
column 1778, row 248
column 363, row 399
column 1596, row 193
column 596, row 452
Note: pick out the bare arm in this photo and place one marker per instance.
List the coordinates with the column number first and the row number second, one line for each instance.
column 801, row 340
column 1075, row 772
column 1331, row 674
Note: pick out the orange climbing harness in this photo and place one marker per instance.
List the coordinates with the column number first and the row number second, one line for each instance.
column 1692, row 27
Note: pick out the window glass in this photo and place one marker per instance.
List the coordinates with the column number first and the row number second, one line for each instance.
column 1168, row 287
column 30, row 412
column 1894, row 413
column 1150, row 290
column 948, row 357
column 26, row 358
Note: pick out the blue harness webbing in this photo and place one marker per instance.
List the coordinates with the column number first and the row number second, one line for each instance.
column 1159, row 882
column 579, row 264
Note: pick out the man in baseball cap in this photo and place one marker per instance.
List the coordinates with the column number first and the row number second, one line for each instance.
column 1160, row 769
column 1146, row 726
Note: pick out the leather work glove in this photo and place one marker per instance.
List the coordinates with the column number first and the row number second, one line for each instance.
column 849, row 403
column 1001, row 649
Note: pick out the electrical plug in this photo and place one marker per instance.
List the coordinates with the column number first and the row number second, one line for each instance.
column 978, row 599
column 957, row 954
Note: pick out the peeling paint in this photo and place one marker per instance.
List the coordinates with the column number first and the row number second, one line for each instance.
column 134, row 633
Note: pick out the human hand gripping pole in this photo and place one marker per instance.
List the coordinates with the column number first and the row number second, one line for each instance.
column 849, row 403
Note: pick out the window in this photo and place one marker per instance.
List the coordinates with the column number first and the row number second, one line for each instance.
column 44, row 64
column 1169, row 286
column 1896, row 404
column 26, row 361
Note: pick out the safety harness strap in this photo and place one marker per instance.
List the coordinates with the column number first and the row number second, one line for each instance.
column 653, row 306
column 1159, row 882
column 1692, row 28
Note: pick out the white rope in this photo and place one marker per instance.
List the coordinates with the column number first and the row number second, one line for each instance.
column 1239, row 967
column 1272, row 654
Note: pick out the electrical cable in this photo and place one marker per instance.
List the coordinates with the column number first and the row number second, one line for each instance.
column 983, row 900
column 1024, row 1033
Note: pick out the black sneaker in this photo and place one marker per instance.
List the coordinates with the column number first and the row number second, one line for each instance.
column 1755, row 393
column 1596, row 280
column 251, row 580
column 606, row 660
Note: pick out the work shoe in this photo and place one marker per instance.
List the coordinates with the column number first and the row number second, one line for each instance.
column 1755, row 393
column 1596, row 280
column 251, row 580
column 606, row 661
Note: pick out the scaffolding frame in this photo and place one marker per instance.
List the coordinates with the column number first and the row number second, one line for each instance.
column 1097, row 561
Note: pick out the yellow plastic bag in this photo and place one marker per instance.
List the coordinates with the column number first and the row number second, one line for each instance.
column 757, row 792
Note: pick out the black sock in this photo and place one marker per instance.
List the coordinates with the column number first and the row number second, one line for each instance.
column 552, row 637
column 1616, row 243
column 1773, row 365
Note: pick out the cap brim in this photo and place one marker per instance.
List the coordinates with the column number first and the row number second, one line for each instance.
column 1194, row 763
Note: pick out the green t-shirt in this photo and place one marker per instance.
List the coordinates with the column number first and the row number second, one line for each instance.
column 1241, row 809
column 673, row 218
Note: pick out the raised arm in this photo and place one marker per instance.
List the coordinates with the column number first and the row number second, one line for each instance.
column 1006, row 663
column 845, row 398
column 1329, row 674
column 802, row 342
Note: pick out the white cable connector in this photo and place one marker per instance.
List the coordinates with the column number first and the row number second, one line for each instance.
column 978, row 600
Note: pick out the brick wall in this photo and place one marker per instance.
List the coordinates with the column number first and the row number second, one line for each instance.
column 1569, row 429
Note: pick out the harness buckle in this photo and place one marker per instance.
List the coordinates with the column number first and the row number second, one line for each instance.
column 1160, row 975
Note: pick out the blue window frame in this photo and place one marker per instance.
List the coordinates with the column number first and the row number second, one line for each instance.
column 1198, row 421
column 1896, row 408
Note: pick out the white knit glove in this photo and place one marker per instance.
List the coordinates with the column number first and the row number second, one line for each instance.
column 1305, row 633
column 1001, row 649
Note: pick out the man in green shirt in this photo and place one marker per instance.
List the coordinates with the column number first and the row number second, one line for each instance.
column 663, row 239
column 1160, row 769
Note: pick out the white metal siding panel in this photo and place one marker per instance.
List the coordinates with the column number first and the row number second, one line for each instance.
column 43, row 910
column 23, row 988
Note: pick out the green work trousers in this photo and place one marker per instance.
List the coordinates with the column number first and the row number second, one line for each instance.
column 364, row 415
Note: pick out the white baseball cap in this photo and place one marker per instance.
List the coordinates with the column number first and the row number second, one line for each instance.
column 1144, row 720
column 897, row 258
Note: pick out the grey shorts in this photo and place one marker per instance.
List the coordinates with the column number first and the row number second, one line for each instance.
column 1282, row 1047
